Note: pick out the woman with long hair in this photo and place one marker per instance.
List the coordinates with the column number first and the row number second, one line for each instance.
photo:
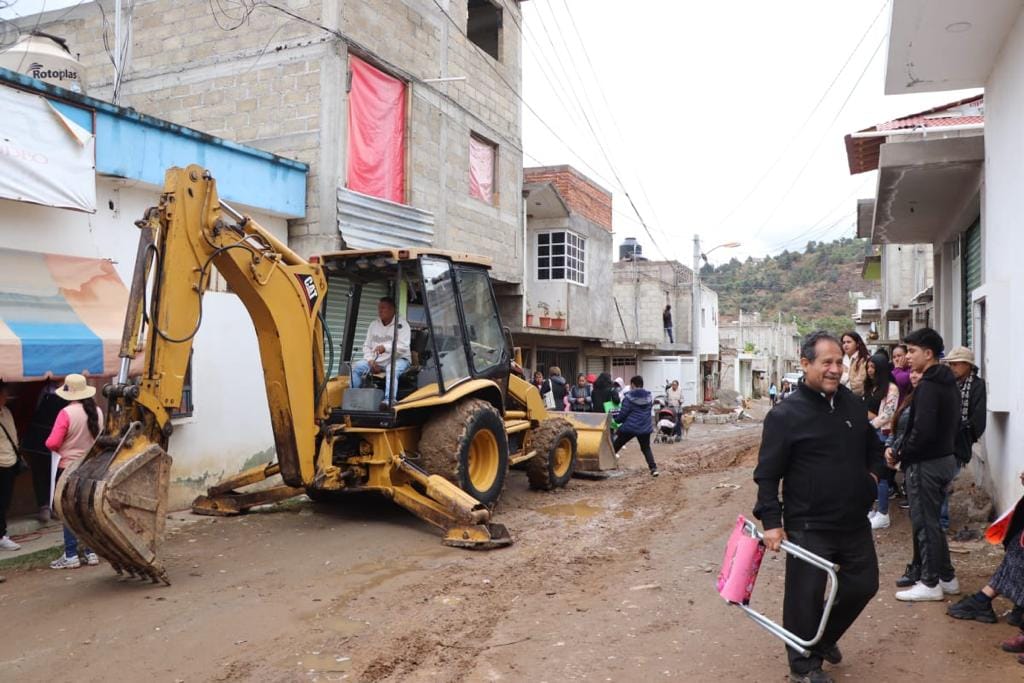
column 77, row 426
column 855, row 361
column 882, row 397
column 900, row 428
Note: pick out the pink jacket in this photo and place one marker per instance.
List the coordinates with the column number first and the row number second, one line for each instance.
column 70, row 437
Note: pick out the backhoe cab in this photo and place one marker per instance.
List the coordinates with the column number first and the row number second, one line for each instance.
column 438, row 440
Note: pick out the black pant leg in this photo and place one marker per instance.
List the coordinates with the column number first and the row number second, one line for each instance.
column 928, row 481
column 40, row 465
column 803, row 604
column 621, row 439
column 645, row 447
column 858, row 582
column 6, row 490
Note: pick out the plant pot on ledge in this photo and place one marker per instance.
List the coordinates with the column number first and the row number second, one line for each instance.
column 545, row 322
column 558, row 323
column 529, row 319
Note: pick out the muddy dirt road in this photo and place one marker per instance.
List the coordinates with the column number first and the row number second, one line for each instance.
column 607, row 581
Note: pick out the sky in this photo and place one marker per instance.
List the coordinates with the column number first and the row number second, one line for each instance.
column 724, row 119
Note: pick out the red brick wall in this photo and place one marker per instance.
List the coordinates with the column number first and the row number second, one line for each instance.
column 582, row 195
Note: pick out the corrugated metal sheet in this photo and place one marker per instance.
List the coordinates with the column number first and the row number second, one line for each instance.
column 971, row 271
column 336, row 306
column 369, row 223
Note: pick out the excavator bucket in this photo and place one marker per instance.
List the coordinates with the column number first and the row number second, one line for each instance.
column 594, row 451
column 114, row 499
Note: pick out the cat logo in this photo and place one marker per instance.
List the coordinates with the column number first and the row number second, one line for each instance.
column 309, row 287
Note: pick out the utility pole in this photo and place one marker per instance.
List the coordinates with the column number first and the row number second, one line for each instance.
column 695, row 316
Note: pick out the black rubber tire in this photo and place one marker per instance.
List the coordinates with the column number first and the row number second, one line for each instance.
column 545, row 471
column 446, row 442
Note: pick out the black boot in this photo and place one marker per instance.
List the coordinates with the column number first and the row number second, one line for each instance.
column 911, row 575
column 972, row 607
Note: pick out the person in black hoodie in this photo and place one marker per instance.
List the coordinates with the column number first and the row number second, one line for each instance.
column 926, row 457
column 821, row 446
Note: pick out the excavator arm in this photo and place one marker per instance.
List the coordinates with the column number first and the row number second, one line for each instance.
column 115, row 497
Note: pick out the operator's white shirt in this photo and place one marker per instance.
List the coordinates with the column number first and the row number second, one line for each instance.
column 379, row 333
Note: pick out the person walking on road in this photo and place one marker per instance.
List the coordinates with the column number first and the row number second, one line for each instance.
column 773, row 394
column 820, row 445
column 634, row 416
column 674, row 398
column 666, row 321
column 927, row 457
column 77, row 426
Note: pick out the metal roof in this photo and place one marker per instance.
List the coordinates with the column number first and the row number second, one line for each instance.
column 862, row 152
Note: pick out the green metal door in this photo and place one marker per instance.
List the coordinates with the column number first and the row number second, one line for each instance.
column 971, row 277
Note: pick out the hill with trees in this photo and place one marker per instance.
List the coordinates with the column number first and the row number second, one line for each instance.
column 812, row 286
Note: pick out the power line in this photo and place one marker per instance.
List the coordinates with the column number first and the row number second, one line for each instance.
column 806, row 121
column 824, row 135
column 608, row 106
column 526, row 104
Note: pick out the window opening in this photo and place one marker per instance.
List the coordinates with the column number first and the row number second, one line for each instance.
column 483, row 26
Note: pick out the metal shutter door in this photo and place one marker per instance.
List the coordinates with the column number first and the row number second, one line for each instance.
column 971, row 270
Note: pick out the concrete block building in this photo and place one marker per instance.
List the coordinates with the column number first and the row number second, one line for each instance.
column 406, row 111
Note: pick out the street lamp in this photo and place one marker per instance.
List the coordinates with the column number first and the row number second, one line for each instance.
column 695, row 298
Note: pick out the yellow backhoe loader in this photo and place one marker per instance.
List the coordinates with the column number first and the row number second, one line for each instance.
column 438, row 440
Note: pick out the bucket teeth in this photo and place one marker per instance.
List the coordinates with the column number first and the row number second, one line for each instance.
column 116, row 502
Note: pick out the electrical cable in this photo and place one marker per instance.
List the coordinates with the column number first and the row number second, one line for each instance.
column 806, row 121
column 824, row 135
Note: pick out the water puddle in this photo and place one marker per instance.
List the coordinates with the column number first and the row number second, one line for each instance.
column 581, row 510
column 325, row 663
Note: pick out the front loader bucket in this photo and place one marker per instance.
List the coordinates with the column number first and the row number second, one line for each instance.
column 115, row 500
column 594, row 451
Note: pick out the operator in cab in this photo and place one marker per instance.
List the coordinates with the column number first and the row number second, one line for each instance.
column 377, row 348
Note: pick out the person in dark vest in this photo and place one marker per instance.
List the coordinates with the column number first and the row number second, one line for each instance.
column 821, row 447
column 33, row 443
column 666, row 321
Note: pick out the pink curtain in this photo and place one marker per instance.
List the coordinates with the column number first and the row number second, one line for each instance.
column 376, row 133
column 481, row 170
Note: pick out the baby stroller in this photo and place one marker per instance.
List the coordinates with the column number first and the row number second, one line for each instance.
column 665, row 423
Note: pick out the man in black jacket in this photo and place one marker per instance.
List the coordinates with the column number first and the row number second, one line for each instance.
column 926, row 457
column 820, row 444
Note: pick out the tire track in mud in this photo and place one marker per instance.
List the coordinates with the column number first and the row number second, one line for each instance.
column 552, row 558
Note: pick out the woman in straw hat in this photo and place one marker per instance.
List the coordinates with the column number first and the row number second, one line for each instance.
column 76, row 428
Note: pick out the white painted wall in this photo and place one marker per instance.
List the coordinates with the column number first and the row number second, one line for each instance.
column 709, row 321
column 231, row 421
column 1002, row 277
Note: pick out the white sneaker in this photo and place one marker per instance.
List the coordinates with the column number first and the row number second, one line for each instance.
column 65, row 562
column 92, row 559
column 920, row 593
column 7, row 544
column 951, row 587
column 880, row 521
column 871, row 514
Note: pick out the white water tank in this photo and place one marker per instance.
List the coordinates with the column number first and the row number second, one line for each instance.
column 47, row 58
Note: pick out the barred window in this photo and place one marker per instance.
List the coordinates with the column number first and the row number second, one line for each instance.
column 561, row 256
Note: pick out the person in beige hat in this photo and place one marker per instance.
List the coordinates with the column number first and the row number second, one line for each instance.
column 973, row 411
column 77, row 426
